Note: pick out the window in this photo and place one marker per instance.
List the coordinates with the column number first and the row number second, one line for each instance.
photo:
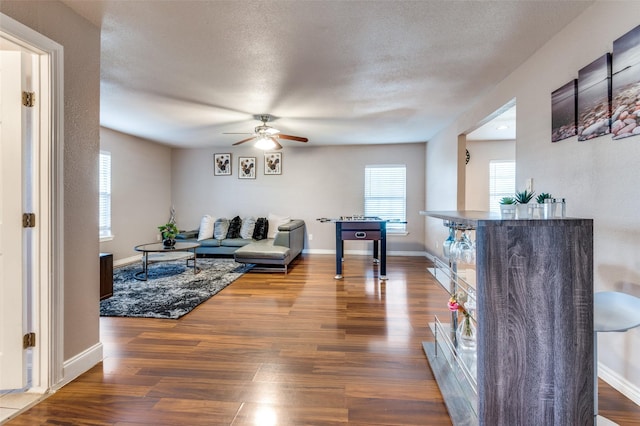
column 502, row 182
column 385, row 194
column 104, row 210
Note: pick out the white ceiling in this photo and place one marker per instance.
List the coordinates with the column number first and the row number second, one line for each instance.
column 500, row 126
column 338, row 72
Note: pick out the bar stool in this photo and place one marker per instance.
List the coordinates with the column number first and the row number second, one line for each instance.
column 612, row 311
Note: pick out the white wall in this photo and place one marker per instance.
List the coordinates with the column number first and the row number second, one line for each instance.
column 477, row 171
column 81, row 42
column 598, row 178
column 315, row 182
column 140, row 188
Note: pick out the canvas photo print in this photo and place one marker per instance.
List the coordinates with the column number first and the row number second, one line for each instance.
column 564, row 103
column 594, row 99
column 625, row 120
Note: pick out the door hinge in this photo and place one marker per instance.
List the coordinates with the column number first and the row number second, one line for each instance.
column 28, row 220
column 29, row 340
column 28, row 99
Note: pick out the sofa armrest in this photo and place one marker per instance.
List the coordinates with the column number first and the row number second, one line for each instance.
column 291, row 235
column 291, row 225
column 185, row 235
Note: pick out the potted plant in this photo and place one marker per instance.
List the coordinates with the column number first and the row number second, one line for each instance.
column 522, row 199
column 508, row 207
column 543, row 208
column 169, row 231
column 543, row 196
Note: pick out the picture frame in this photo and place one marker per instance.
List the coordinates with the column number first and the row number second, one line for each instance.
column 272, row 163
column 594, row 99
column 625, row 121
column 564, row 106
column 222, row 164
column 247, row 167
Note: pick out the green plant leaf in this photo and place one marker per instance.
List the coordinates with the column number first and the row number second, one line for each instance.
column 523, row 197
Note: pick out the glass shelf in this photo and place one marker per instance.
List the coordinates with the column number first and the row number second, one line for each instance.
column 455, row 369
column 452, row 280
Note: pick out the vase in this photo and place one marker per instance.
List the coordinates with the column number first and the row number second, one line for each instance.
column 508, row 211
column 538, row 211
column 169, row 242
column 467, row 334
column 522, row 211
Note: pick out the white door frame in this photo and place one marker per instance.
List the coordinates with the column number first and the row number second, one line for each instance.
column 49, row 305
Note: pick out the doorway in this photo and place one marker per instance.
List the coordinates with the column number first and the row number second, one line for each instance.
column 31, row 250
column 490, row 154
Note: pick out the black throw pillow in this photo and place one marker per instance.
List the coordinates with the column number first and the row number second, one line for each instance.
column 234, row 227
column 261, row 230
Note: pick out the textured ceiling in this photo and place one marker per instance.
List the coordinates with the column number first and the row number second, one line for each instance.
column 338, row 72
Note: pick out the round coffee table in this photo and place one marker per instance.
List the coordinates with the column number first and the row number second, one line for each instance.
column 157, row 252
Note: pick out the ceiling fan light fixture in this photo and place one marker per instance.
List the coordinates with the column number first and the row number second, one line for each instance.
column 265, row 143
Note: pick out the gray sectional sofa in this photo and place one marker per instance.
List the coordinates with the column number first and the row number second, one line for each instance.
column 268, row 254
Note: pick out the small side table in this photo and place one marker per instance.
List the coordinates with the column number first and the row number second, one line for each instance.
column 106, row 275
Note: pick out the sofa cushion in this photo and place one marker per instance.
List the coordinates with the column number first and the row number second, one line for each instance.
column 248, row 225
column 211, row 242
column 274, row 222
column 220, row 229
column 261, row 229
column 262, row 250
column 234, row 227
column 235, row 242
column 206, row 227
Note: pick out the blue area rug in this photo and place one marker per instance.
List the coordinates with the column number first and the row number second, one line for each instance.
column 172, row 289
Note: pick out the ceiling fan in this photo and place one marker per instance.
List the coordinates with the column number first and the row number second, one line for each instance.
column 266, row 137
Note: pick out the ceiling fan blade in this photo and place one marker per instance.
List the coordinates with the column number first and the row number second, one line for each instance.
column 293, row 138
column 278, row 146
column 244, row 140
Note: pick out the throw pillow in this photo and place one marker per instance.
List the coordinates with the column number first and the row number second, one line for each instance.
column 234, row 227
column 220, row 229
column 206, row 227
column 248, row 225
column 274, row 222
column 261, row 229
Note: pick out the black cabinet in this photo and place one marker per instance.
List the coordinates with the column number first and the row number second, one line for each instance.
column 106, row 275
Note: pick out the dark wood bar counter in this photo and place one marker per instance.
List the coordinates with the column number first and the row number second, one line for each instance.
column 534, row 279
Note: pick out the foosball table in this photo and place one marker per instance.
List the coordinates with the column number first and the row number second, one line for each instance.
column 361, row 228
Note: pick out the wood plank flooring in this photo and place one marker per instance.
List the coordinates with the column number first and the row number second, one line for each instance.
column 274, row 349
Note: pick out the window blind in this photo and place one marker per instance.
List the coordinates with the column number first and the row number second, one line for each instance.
column 502, row 182
column 104, row 209
column 385, row 194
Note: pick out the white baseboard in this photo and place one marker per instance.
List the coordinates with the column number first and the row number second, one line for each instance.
column 430, row 256
column 79, row 364
column 318, row 251
column 127, row 260
column 619, row 383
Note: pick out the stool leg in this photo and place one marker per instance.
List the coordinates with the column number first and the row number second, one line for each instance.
column 595, row 373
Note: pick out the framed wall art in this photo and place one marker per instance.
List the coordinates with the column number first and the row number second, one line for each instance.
column 246, row 167
column 594, row 99
column 272, row 163
column 564, row 104
column 625, row 120
column 222, row 164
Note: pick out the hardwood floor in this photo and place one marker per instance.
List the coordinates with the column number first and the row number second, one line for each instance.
column 274, row 349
